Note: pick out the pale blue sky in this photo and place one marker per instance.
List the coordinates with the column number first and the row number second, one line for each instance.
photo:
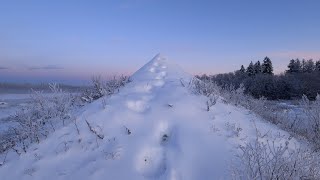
column 70, row 40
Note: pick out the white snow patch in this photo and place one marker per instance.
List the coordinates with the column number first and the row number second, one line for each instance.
column 138, row 106
column 146, row 88
column 159, row 83
column 152, row 69
column 161, row 75
column 151, row 162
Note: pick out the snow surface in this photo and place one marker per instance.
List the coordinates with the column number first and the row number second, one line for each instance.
column 153, row 129
column 9, row 104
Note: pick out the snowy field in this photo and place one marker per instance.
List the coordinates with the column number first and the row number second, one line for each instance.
column 9, row 104
column 154, row 128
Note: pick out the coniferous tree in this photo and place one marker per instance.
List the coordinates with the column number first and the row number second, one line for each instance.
column 291, row 66
column 267, row 66
column 317, row 68
column 250, row 69
column 242, row 69
column 303, row 66
column 298, row 67
column 257, row 67
column 309, row 66
column 294, row 66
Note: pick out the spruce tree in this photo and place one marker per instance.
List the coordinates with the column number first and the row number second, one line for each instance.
column 317, row 68
column 250, row 69
column 309, row 66
column 297, row 66
column 291, row 66
column 267, row 66
column 257, row 67
column 242, row 69
column 303, row 66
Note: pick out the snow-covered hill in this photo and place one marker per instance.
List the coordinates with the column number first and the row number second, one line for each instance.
column 154, row 128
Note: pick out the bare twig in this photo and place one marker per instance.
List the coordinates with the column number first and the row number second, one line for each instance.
column 100, row 136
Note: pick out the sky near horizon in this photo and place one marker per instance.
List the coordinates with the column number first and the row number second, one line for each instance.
column 71, row 40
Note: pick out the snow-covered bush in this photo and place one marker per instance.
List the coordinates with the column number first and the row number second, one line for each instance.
column 102, row 88
column 268, row 160
column 306, row 125
column 205, row 88
column 212, row 100
column 229, row 94
column 44, row 114
column 233, row 129
column 312, row 112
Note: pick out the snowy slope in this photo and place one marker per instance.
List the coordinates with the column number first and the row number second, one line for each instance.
column 153, row 129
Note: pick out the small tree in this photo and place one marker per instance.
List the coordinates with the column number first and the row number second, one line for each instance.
column 242, row 69
column 291, row 66
column 250, row 69
column 317, row 66
column 257, row 67
column 267, row 66
column 309, row 66
column 303, row 66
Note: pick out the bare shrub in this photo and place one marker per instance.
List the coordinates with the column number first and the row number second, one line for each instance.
column 233, row 129
column 43, row 115
column 212, row 100
column 207, row 88
column 97, row 130
column 312, row 112
column 102, row 88
column 266, row 160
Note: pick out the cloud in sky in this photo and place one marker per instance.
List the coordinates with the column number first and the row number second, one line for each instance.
column 49, row 67
column 2, row 68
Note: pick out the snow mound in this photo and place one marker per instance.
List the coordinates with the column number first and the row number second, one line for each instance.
column 158, row 68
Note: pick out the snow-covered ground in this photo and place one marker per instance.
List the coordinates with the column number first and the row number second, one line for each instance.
column 9, row 104
column 153, row 129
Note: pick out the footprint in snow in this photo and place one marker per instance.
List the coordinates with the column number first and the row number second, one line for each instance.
column 163, row 132
column 159, row 83
column 152, row 70
column 161, row 75
column 143, row 88
column 151, row 162
column 137, row 106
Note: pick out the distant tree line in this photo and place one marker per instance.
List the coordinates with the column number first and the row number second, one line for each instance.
column 301, row 78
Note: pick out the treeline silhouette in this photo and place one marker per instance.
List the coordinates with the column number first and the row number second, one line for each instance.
column 301, row 78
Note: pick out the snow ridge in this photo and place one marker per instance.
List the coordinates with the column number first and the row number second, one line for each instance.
column 153, row 129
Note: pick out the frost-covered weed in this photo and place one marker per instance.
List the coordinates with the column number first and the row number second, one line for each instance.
column 306, row 125
column 102, row 88
column 233, row 129
column 44, row 113
column 268, row 160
